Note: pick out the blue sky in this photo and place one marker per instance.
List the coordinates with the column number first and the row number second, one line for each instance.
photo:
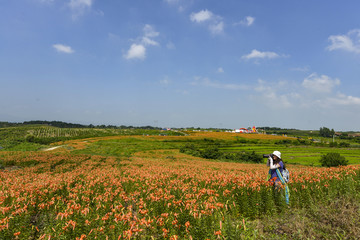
column 181, row 63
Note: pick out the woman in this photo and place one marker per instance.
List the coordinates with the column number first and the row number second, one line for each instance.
column 276, row 166
column 275, row 162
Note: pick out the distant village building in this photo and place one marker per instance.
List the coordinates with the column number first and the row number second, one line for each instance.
column 354, row 134
column 245, row 130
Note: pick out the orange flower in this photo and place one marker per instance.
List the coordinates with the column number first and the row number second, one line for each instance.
column 165, row 232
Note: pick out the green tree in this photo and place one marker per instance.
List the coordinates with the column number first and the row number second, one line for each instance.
column 333, row 160
column 211, row 152
column 326, row 132
column 344, row 144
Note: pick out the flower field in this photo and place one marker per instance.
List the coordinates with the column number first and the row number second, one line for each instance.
column 151, row 195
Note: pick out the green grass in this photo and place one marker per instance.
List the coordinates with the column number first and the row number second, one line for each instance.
column 125, row 147
column 21, row 146
column 306, row 155
column 335, row 218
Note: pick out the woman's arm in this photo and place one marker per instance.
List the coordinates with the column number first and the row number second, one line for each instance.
column 270, row 163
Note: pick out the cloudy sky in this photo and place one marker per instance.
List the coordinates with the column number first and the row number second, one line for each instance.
column 182, row 63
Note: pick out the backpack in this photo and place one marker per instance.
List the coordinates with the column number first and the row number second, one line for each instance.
column 286, row 175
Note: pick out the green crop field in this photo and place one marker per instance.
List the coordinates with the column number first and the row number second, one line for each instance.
column 307, row 155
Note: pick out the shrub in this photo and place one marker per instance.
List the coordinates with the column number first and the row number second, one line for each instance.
column 211, row 152
column 251, row 157
column 190, row 149
column 214, row 152
column 283, row 141
column 241, row 140
column 333, row 160
column 344, row 144
column 301, row 142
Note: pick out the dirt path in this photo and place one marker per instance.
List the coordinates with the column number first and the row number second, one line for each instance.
column 52, row 148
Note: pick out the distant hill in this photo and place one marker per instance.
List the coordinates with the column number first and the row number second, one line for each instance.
column 56, row 124
column 38, row 122
column 61, row 124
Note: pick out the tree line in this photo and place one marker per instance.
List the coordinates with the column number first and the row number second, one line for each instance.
column 61, row 124
column 326, row 132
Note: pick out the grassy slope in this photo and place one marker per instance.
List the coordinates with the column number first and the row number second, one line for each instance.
column 337, row 218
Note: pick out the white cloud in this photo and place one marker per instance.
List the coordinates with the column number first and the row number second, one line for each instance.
column 208, row 83
column 322, row 94
column 292, row 101
column 63, row 48
column 317, row 92
column 149, row 41
column 257, row 54
column 342, row 99
column 321, row 83
column 202, row 16
column 248, row 21
column 214, row 22
column 149, row 31
column 220, row 70
column 216, row 28
column 349, row 42
column 78, row 7
column 136, row 51
column 273, row 95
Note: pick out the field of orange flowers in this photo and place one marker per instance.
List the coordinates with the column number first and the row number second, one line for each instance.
column 151, row 195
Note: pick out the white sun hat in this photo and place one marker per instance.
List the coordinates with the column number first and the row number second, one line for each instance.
column 277, row 153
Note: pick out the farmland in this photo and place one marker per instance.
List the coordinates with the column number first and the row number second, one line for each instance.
column 139, row 185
